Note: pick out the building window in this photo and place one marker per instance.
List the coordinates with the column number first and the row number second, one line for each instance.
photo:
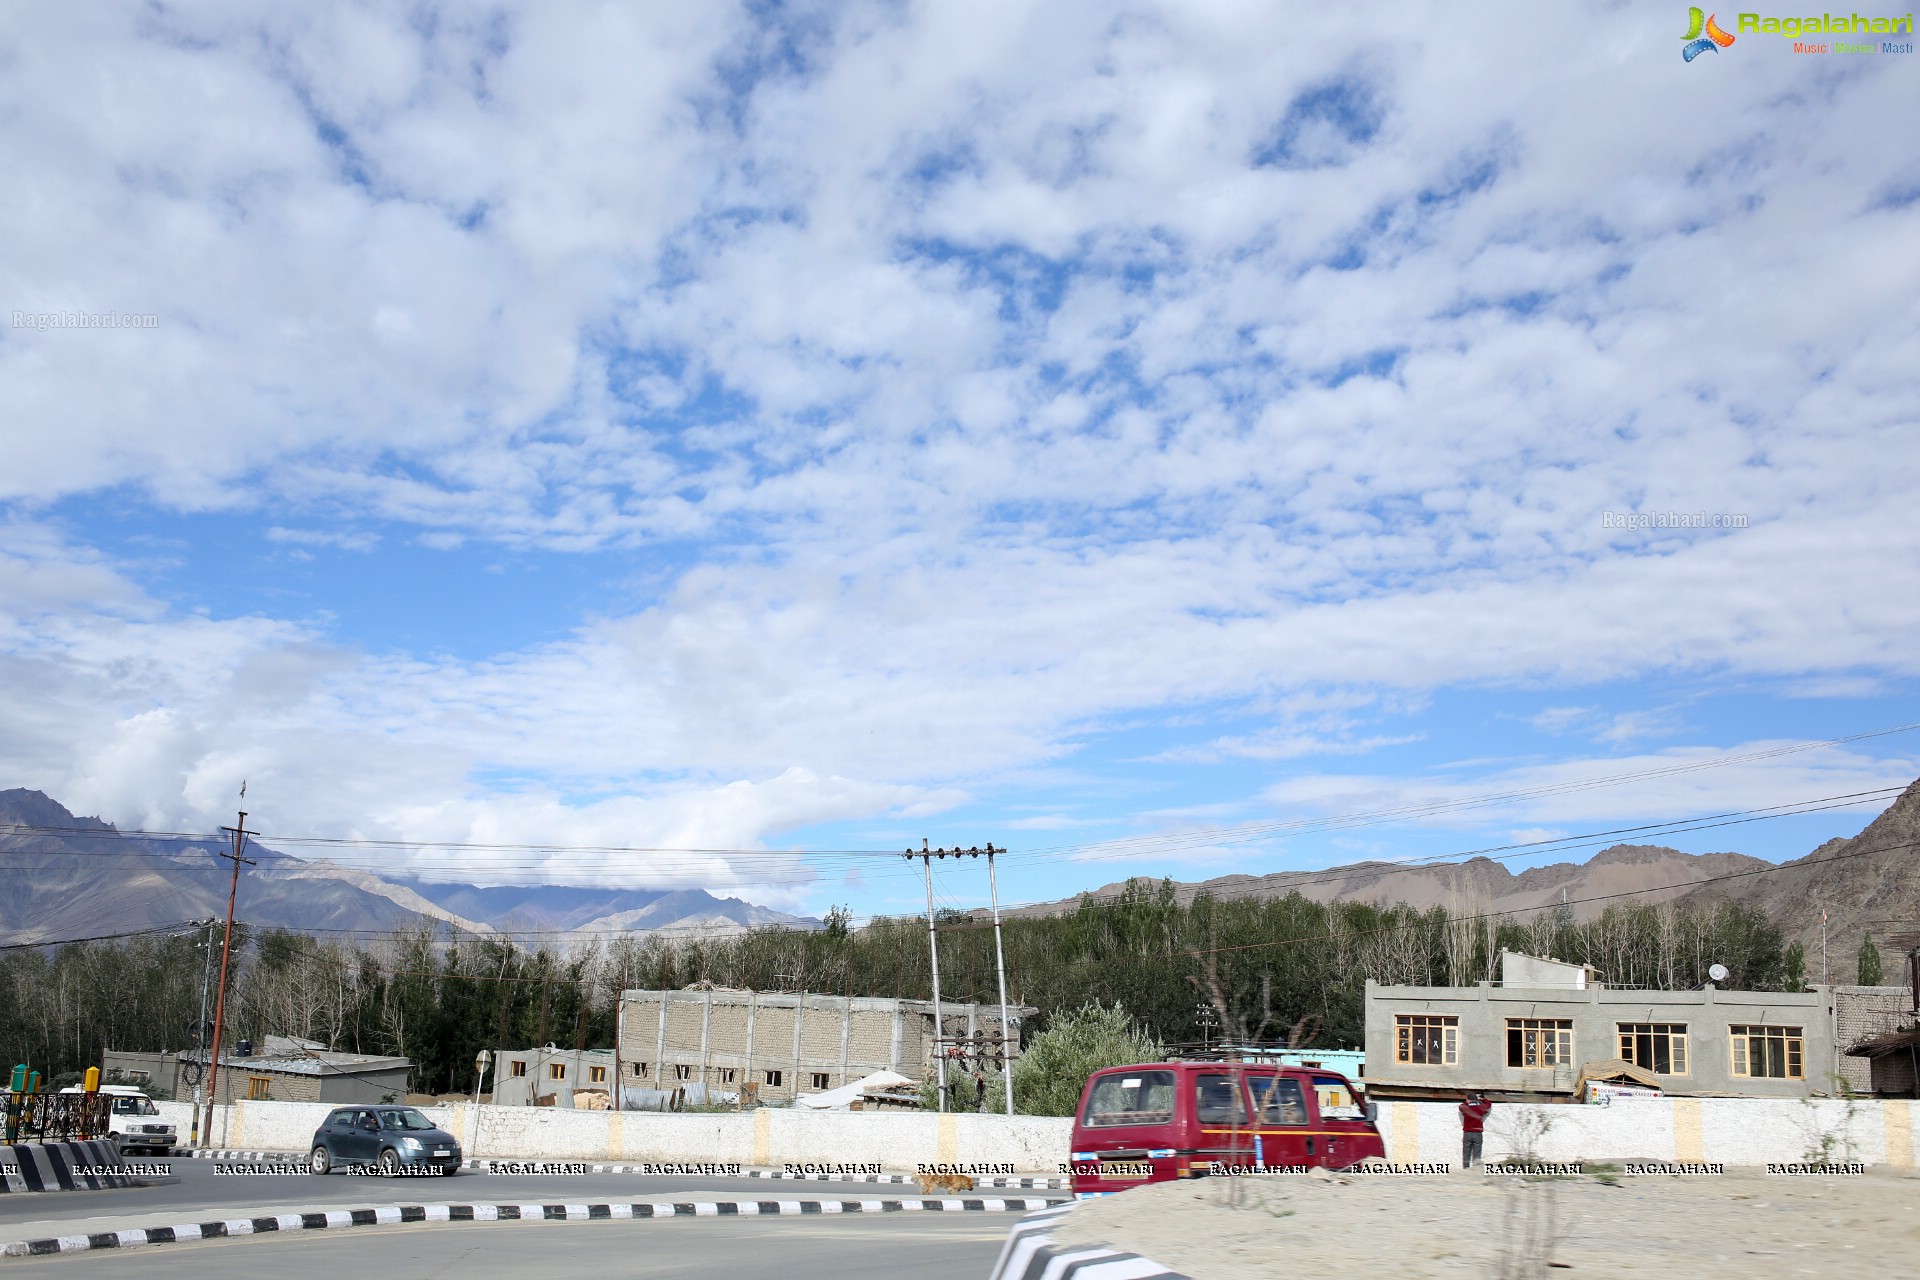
column 640, row 1069
column 596, row 1075
column 726, row 1075
column 773, row 1079
column 556, row 1071
column 1769, row 1053
column 1659, row 1047
column 1428, row 1040
column 1539, row 1042
column 519, row 1068
column 140, row 1077
column 819, row 1080
column 682, row 1071
column 259, row 1089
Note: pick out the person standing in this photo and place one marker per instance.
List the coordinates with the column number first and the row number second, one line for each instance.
column 1474, row 1110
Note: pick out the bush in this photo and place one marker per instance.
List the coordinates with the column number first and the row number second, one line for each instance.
column 1049, row 1076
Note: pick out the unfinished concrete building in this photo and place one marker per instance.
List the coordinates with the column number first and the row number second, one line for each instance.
column 784, row 1043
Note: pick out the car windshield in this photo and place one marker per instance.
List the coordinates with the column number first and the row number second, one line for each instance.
column 407, row 1119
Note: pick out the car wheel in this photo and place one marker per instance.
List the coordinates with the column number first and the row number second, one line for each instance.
column 320, row 1161
column 448, row 1170
column 390, row 1163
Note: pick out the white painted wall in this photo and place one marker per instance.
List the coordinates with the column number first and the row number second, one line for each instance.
column 1733, row 1131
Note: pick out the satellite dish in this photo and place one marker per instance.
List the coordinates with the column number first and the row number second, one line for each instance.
column 1717, row 972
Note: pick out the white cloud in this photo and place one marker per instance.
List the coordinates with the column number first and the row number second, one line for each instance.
column 977, row 386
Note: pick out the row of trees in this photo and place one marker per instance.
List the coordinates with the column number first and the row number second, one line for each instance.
column 1267, row 965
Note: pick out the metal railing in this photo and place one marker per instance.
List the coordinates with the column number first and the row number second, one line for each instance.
column 56, row 1117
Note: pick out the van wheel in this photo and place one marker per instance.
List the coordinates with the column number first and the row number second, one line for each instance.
column 320, row 1162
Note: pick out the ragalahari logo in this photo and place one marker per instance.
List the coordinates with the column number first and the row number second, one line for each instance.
column 1703, row 35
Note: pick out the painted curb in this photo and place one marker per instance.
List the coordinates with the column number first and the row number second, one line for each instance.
column 1030, row 1254
column 659, row 1169
column 61, row 1166
column 389, row 1215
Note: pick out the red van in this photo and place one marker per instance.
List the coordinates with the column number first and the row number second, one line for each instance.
column 1165, row 1120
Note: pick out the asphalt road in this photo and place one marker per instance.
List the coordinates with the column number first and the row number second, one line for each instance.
column 926, row 1247
column 211, row 1189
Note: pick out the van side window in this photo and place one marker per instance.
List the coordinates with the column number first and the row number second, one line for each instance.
column 1218, row 1100
column 1279, row 1100
column 1336, row 1099
column 1131, row 1098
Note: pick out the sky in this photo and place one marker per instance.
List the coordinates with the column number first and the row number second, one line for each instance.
column 1175, row 440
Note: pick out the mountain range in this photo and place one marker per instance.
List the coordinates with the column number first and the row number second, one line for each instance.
column 1866, row 885
column 78, row 877
column 73, row 877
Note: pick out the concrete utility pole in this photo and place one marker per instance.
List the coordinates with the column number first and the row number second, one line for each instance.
column 1000, row 959
column 926, row 857
column 933, row 949
column 200, row 1027
column 226, row 953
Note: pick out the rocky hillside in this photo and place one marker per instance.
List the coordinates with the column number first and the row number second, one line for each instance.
column 73, row 877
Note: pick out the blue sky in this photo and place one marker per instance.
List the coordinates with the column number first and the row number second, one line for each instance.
column 786, row 427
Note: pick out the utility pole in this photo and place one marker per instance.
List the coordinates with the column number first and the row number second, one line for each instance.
column 200, row 1027
column 1000, row 959
column 926, row 857
column 933, row 949
column 226, row 953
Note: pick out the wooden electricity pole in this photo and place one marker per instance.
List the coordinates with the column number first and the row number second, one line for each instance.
column 226, row 952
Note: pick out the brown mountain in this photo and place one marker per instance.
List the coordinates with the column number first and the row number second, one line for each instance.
column 1652, row 872
column 1869, row 884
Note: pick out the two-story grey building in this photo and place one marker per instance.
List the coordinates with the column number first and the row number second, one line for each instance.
column 1531, row 1033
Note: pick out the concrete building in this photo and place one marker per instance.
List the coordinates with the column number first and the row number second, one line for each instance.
column 1532, row 1033
column 524, row 1076
column 285, row 1069
column 785, row 1044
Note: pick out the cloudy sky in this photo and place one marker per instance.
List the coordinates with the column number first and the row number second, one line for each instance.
column 802, row 427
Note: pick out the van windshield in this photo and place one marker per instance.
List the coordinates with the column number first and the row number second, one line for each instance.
column 134, row 1107
column 1130, row 1098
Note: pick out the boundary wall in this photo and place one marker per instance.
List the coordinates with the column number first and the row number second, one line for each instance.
column 1730, row 1131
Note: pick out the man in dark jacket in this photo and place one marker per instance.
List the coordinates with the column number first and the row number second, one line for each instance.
column 1473, row 1123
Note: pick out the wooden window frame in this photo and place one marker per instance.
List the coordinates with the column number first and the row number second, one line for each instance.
column 519, row 1069
column 1407, row 1046
column 1792, row 1049
column 1551, row 1039
column 773, row 1079
column 596, row 1075
column 259, row 1088
column 820, row 1080
column 1679, row 1059
column 556, row 1071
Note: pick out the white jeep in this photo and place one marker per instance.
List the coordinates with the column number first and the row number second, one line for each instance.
column 133, row 1122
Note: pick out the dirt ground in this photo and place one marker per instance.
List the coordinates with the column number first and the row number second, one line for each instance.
column 1736, row 1226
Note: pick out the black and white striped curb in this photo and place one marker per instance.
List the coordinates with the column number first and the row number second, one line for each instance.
column 1031, row 1254
column 93, row 1165
column 661, row 1170
column 389, row 1215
